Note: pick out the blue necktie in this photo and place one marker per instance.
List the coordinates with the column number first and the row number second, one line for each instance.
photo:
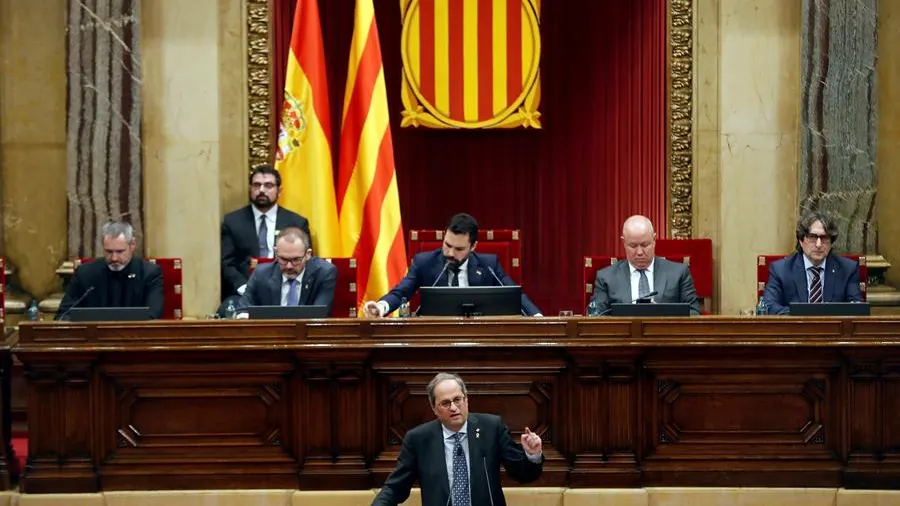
column 460, row 489
column 815, row 288
column 263, row 237
column 293, row 297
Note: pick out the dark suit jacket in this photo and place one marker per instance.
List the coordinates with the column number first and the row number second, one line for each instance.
column 672, row 280
column 240, row 242
column 428, row 265
column 422, row 459
column 787, row 282
column 264, row 287
column 144, row 286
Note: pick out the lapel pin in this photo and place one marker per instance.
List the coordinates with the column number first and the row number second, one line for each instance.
column 477, row 433
column 478, row 271
column 132, row 276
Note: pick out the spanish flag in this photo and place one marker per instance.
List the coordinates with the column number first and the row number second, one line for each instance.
column 304, row 138
column 371, row 229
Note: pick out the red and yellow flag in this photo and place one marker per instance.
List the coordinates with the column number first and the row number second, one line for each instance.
column 304, row 139
column 369, row 204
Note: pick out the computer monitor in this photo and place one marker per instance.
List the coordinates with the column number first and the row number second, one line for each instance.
column 471, row 300
column 830, row 309
column 286, row 312
column 107, row 314
column 650, row 310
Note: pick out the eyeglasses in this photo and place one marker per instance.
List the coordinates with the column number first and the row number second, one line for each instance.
column 458, row 400
column 267, row 186
column 286, row 261
column 813, row 238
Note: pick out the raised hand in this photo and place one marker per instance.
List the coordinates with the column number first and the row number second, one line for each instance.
column 531, row 442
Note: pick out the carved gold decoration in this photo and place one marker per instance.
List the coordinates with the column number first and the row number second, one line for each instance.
column 258, row 85
column 680, row 94
column 681, row 101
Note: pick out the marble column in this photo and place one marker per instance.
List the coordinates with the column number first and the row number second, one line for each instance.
column 104, row 120
column 839, row 116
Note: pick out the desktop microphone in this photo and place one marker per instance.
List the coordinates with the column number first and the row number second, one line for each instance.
column 645, row 298
column 447, row 263
column 488, row 480
column 74, row 304
column 501, row 283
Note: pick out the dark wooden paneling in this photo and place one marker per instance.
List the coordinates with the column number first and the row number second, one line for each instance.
column 325, row 404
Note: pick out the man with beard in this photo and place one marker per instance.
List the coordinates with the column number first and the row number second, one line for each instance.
column 296, row 278
column 813, row 273
column 464, row 268
column 250, row 231
column 119, row 279
column 644, row 272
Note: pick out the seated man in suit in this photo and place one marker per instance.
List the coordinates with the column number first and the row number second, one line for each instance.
column 813, row 273
column 455, row 263
column 295, row 278
column 458, row 455
column 250, row 231
column 643, row 273
column 119, row 279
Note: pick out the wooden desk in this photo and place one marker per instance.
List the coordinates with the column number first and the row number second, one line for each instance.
column 324, row 404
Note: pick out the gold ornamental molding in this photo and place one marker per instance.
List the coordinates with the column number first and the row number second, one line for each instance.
column 258, row 82
column 680, row 101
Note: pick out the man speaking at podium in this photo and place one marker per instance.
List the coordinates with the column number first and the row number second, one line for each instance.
column 455, row 263
column 456, row 458
column 643, row 273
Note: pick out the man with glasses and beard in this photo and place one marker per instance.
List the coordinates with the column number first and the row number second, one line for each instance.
column 295, row 278
column 814, row 273
column 250, row 231
column 464, row 267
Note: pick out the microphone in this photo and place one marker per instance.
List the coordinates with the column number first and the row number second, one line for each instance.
column 645, row 298
column 75, row 304
column 500, row 282
column 438, row 278
column 487, row 479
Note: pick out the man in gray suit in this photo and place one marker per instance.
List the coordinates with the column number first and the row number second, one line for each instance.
column 642, row 273
column 295, row 278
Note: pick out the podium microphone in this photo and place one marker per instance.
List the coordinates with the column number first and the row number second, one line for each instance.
column 75, row 304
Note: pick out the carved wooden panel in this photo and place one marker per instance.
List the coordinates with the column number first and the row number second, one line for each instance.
column 325, row 404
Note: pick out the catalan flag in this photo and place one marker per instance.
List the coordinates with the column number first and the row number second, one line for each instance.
column 304, row 139
column 371, row 229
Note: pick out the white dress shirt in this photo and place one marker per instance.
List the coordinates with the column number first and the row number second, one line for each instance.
column 270, row 215
column 286, row 287
column 807, row 263
column 636, row 278
column 463, row 274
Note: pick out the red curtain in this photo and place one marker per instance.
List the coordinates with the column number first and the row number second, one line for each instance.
column 600, row 157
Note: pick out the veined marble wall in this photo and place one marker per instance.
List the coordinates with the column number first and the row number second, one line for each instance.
column 839, row 113
column 194, row 133
column 747, row 104
column 33, row 139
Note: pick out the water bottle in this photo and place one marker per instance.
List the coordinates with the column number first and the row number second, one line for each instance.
column 34, row 312
column 404, row 308
column 230, row 310
column 593, row 308
column 762, row 308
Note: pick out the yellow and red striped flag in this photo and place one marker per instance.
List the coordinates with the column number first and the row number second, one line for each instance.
column 369, row 204
column 304, row 139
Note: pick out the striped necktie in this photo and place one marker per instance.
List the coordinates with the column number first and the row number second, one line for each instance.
column 815, row 288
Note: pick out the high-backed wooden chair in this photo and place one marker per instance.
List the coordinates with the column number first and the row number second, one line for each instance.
column 593, row 264
column 764, row 261
column 344, row 304
column 700, row 252
column 173, row 299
